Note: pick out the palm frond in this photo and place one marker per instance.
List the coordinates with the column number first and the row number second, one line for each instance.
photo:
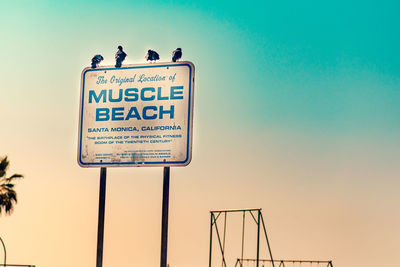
column 13, row 177
column 12, row 195
column 7, row 201
column 4, row 164
column 8, row 185
column 9, row 207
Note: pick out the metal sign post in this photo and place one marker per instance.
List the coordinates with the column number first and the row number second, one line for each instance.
column 164, row 219
column 100, row 226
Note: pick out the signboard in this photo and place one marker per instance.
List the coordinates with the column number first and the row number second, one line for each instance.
column 136, row 115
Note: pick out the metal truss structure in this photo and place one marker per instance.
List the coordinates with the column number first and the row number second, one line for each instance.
column 259, row 221
column 241, row 262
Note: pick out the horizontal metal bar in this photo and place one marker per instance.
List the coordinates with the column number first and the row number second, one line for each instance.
column 16, row 265
column 215, row 211
column 292, row 261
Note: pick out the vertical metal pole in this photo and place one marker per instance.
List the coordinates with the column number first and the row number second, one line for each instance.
column 266, row 237
column 164, row 219
column 5, row 252
column 100, row 226
column 241, row 256
column 223, row 244
column 258, row 237
column 211, row 231
column 219, row 240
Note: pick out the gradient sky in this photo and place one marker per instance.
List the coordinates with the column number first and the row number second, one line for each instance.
column 297, row 112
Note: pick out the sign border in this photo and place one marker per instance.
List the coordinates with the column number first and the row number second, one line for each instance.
column 140, row 164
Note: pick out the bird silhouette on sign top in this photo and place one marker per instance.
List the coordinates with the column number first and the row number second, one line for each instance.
column 119, row 57
column 152, row 56
column 96, row 61
column 176, row 54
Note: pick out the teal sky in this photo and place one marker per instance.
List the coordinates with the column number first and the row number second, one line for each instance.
column 331, row 64
column 296, row 111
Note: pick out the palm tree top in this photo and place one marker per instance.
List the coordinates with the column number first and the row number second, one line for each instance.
column 8, row 196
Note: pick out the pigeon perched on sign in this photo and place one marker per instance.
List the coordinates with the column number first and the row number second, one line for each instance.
column 176, row 54
column 152, row 56
column 96, row 61
column 119, row 57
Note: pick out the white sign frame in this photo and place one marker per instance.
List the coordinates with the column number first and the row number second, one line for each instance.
column 88, row 149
